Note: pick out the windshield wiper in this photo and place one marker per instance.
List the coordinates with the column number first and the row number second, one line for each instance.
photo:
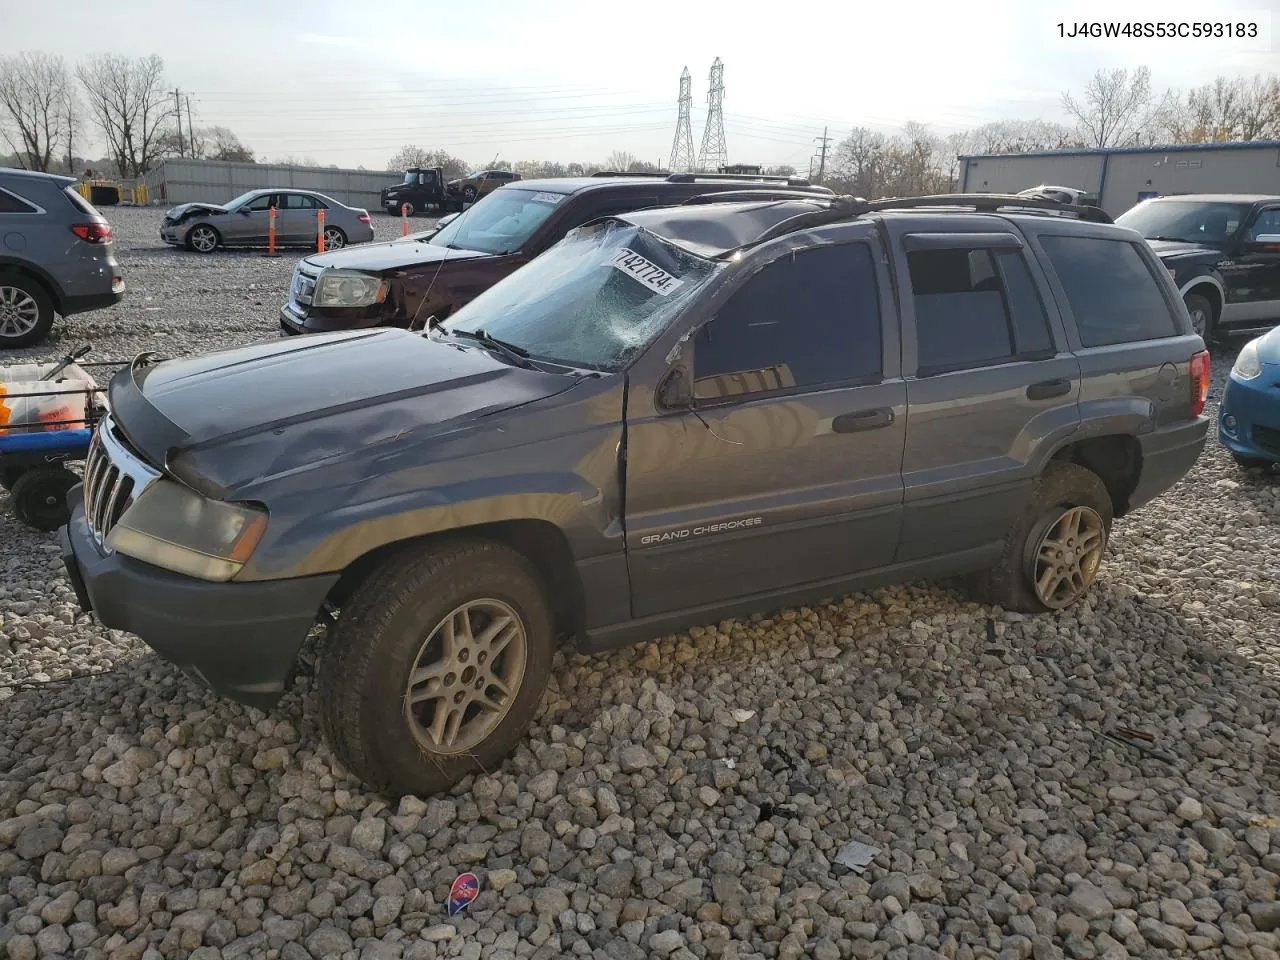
column 517, row 355
column 1171, row 239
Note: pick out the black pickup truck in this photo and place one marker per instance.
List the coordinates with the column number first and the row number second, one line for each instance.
column 1223, row 252
column 672, row 417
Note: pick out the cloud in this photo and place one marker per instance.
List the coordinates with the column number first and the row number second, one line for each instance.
column 332, row 41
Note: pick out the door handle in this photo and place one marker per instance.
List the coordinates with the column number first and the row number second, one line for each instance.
column 1048, row 388
column 862, row 420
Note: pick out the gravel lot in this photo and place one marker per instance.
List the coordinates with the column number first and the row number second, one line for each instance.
column 687, row 797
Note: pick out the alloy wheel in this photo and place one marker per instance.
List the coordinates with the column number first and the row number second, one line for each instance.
column 19, row 312
column 203, row 239
column 1068, row 556
column 333, row 238
column 1199, row 321
column 466, row 676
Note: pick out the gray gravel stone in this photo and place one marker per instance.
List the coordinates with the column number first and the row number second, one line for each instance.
column 965, row 742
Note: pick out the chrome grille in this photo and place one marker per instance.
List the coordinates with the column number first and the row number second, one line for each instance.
column 113, row 477
column 303, row 288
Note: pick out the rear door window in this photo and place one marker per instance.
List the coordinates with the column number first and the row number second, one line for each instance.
column 1113, row 295
column 975, row 307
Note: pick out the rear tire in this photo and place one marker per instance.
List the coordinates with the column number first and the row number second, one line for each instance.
column 1201, row 311
column 334, row 238
column 26, row 311
column 405, row 610
column 40, row 497
column 1041, row 544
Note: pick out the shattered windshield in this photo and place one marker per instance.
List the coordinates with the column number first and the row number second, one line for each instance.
column 243, row 198
column 500, row 223
column 593, row 300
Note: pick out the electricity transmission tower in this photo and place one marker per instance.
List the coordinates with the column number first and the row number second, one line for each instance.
column 714, row 154
column 682, row 145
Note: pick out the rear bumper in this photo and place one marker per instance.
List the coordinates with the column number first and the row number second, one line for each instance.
column 1249, row 416
column 91, row 301
column 239, row 639
column 1167, row 455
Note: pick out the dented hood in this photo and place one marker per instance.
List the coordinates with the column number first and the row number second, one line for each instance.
column 184, row 209
column 221, row 420
column 391, row 255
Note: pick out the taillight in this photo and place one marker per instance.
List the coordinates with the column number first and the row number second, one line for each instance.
column 1199, row 382
column 364, row 218
column 92, row 232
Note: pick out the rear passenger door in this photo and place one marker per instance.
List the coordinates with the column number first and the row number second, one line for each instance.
column 1127, row 327
column 297, row 217
column 788, row 473
column 989, row 380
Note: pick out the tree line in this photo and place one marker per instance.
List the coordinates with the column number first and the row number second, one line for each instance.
column 45, row 105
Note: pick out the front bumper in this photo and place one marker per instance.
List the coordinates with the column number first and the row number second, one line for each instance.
column 1167, row 455
column 294, row 320
column 239, row 638
column 1252, row 408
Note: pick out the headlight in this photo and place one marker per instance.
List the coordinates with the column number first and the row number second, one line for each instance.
column 176, row 528
column 1247, row 364
column 347, row 288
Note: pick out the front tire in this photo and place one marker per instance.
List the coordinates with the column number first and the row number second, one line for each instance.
column 436, row 667
column 1201, row 311
column 26, row 311
column 40, row 497
column 1054, row 549
column 469, row 194
column 203, row 239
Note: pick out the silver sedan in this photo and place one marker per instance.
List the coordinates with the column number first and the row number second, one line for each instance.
column 204, row 227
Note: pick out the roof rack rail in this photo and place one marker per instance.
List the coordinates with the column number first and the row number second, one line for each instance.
column 757, row 177
column 753, row 193
column 639, row 173
column 849, row 208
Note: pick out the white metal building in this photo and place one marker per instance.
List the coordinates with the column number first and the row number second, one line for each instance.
column 1123, row 176
column 217, row 181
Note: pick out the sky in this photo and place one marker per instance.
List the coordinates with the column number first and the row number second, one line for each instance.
column 348, row 83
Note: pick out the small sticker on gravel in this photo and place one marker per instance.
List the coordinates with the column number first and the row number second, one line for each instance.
column 465, row 889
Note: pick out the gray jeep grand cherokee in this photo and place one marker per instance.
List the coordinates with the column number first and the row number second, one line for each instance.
column 672, row 417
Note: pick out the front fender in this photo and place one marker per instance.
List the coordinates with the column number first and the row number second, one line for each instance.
column 1201, row 276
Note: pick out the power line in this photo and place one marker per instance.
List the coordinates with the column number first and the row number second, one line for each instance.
column 714, row 154
column 682, row 146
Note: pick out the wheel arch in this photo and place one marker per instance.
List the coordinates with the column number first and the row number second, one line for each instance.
column 11, row 266
column 1116, row 458
column 203, row 223
column 1208, row 287
column 540, row 541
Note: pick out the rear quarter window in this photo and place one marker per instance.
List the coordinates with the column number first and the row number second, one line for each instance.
column 80, row 203
column 1113, row 295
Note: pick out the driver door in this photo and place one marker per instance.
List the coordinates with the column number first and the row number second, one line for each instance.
column 249, row 223
column 1253, row 276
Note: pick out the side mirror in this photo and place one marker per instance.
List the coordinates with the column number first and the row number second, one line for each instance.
column 244, row 211
column 675, row 392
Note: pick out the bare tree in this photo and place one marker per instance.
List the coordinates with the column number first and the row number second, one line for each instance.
column 1117, row 107
column 1229, row 108
column 619, row 160
column 410, row 155
column 130, row 106
column 782, row 170
column 35, row 93
column 219, row 143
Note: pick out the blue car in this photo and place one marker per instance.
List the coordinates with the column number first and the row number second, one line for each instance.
column 1249, row 418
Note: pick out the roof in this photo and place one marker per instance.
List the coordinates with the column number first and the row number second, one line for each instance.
column 569, row 185
column 36, row 175
column 1102, row 151
column 713, row 229
column 1220, row 197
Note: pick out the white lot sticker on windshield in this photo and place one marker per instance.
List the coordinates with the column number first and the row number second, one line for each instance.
column 651, row 275
column 547, row 197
